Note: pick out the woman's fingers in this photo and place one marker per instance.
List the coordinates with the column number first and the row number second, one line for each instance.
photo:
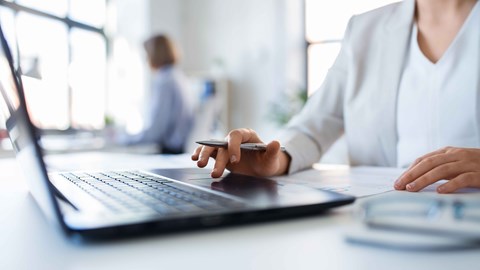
column 234, row 138
column 428, row 163
column 205, row 153
column 221, row 162
column 269, row 164
column 461, row 166
column 443, row 171
column 253, row 162
column 470, row 179
column 272, row 149
column 196, row 153
column 237, row 137
column 422, row 158
column 434, row 153
column 270, row 156
column 224, row 156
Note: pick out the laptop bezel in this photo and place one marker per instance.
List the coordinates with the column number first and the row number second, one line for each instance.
column 33, row 133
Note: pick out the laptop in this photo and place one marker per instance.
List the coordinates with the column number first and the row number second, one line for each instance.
column 106, row 204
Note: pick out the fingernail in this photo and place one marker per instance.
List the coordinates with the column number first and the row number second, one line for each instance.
column 441, row 189
column 233, row 159
column 411, row 186
column 397, row 183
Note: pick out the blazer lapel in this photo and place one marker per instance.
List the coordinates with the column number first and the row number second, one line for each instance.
column 393, row 55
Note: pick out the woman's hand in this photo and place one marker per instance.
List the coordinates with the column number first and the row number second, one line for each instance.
column 461, row 166
column 258, row 163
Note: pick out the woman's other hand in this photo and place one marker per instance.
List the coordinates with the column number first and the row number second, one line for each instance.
column 258, row 163
column 461, row 166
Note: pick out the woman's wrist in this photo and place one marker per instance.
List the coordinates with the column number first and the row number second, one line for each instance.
column 284, row 163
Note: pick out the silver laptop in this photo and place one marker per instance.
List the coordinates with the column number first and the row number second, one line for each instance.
column 103, row 204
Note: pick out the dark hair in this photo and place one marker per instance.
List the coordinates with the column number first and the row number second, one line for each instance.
column 160, row 51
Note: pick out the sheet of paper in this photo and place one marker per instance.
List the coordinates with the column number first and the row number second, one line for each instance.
column 355, row 181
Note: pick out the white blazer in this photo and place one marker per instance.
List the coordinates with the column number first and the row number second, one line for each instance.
column 359, row 95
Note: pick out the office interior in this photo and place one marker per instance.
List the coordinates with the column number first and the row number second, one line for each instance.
column 86, row 78
column 86, row 75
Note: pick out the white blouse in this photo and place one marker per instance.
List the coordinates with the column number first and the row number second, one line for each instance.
column 437, row 102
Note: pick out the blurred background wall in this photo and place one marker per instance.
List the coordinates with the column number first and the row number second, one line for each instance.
column 258, row 46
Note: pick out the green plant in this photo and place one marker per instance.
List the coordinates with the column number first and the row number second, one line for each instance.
column 286, row 105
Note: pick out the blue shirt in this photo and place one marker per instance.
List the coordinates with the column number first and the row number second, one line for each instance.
column 169, row 112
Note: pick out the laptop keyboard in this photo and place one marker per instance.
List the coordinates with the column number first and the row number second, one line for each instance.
column 139, row 192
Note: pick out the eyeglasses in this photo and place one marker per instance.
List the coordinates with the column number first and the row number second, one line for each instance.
column 446, row 216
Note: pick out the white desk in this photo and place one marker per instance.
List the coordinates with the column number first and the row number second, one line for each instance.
column 28, row 242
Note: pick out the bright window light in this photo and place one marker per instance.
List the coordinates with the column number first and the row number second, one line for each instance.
column 88, row 79
column 321, row 57
column 54, row 7
column 44, row 52
column 61, row 50
column 325, row 24
column 91, row 12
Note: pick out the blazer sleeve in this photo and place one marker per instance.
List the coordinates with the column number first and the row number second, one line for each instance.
column 321, row 122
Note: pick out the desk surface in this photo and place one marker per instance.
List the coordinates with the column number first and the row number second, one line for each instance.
column 29, row 242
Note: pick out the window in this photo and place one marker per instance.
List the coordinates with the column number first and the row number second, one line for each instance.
column 325, row 23
column 61, row 49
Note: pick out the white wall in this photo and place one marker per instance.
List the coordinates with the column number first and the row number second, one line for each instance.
column 253, row 40
column 165, row 16
column 241, row 35
column 128, row 73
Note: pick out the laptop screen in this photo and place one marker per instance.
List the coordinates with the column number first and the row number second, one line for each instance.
column 22, row 134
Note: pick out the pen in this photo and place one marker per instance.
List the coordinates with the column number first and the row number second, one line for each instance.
column 245, row 146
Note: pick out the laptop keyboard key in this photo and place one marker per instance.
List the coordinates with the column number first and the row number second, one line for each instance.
column 140, row 192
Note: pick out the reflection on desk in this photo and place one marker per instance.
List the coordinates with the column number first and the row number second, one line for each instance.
column 90, row 141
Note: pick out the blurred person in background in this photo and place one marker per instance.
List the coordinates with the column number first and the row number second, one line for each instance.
column 170, row 108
